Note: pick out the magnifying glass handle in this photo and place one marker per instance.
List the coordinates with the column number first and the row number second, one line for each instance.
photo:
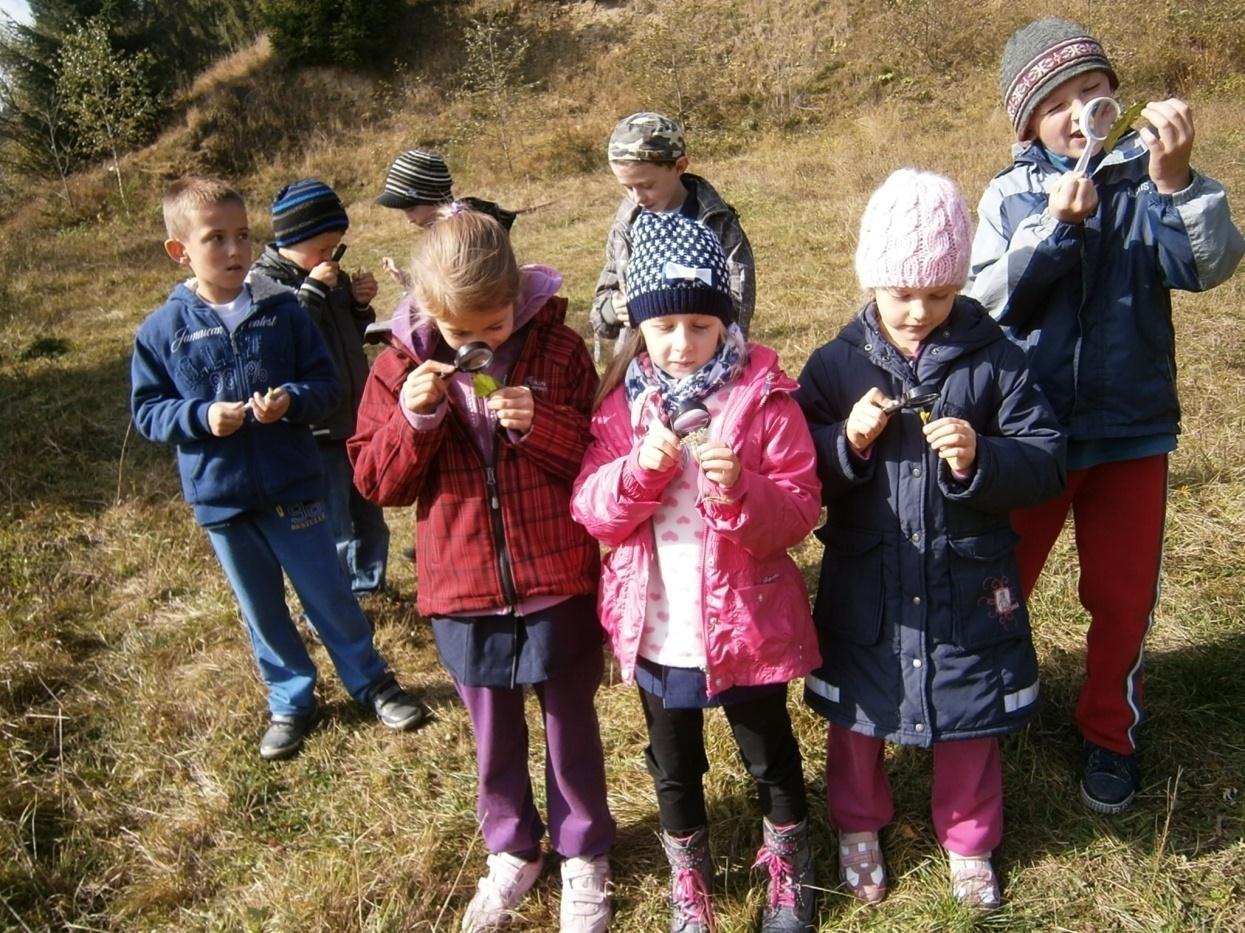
column 1083, row 162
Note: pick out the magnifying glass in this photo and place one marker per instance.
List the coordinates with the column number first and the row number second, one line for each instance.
column 471, row 358
column 918, row 398
column 1097, row 118
column 690, row 417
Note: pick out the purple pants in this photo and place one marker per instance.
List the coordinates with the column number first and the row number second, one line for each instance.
column 579, row 816
column 967, row 798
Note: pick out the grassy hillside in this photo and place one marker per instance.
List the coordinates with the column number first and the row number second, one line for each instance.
column 131, row 797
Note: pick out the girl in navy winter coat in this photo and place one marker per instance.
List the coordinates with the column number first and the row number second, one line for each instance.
column 928, row 432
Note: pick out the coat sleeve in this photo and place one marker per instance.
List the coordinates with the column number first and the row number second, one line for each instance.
column 161, row 413
column 775, row 506
column 1198, row 245
column 391, row 458
column 1020, row 252
column 559, row 433
column 617, row 249
column 612, row 496
column 1021, row 453
column 742, row 269
column 315, row 389
column 838, row 469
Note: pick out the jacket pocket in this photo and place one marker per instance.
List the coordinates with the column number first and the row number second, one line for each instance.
column 849, row 597
column 989, row 607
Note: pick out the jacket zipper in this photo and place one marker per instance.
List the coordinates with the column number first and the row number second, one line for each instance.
column 250, row 435
column 509, row 593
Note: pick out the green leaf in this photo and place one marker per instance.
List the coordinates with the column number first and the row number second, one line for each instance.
column 1123, row 125
column 484, row 385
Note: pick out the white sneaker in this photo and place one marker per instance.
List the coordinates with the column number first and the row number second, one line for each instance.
column 499, row 892
column 974, row 883
column 585, row 894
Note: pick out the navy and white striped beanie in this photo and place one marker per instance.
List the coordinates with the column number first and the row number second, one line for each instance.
column 306, row 208
column 676, row 267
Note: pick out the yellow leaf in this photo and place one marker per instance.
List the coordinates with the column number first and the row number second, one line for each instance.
column 484, row 385
column 1123, row 125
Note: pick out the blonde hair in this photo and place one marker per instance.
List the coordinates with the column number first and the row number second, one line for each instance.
column 632, row 346
column 194, row 193
column 464, row 264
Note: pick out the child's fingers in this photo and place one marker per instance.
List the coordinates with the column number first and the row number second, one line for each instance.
column 431, row 366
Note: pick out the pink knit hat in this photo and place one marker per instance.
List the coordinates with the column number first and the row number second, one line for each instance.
column 915, row 233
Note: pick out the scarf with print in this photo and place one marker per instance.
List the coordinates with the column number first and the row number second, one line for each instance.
column 648, row 385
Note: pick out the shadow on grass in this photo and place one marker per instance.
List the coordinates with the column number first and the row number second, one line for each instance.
column 1189, row 804
column 64, row 425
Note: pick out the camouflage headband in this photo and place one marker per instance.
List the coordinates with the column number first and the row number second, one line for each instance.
column 647, row 137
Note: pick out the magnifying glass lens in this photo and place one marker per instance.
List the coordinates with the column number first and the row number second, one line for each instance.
column 1098, row 116
column 473, row 357
column 692, row 416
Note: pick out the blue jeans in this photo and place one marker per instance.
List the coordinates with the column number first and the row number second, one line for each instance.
column 358, row 526
column 253, row 549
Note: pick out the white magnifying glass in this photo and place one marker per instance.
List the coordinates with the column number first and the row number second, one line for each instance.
column 1097, row 118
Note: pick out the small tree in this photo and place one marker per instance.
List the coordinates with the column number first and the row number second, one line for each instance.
column 105, row 95
column 492, row 78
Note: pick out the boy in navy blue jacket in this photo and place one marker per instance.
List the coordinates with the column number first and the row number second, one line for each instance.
column 233, row 375
column 1078, row 266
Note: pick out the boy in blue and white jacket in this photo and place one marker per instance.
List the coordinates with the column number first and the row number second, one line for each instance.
column 233, row 375
column 1078, row 267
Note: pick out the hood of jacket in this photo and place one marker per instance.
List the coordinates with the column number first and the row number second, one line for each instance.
column 418, row 334
column 967, row 329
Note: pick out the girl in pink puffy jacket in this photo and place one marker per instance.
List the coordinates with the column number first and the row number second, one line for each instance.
column 700, row 599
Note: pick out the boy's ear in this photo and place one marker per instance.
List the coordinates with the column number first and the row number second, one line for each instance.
column 680, row 164
column 176, row 250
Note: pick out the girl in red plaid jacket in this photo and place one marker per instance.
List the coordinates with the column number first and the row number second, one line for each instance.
column 508, row 580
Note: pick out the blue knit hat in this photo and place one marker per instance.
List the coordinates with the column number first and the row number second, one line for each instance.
column 676, row 267
column 306, row 208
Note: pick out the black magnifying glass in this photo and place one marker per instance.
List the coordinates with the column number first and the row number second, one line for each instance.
column 690, row 417
column 471, row 358
column 919, row 399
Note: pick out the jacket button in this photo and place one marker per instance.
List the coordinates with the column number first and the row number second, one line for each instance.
column 920, row 727
column 916, row 600
column 916, row 537
column 916, row 471
column 916, row 662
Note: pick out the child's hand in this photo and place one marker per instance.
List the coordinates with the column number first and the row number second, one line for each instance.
column 1169, row 137
column 401, row 276
column 1073, row 198
column 225, row 417
column 425, row 387
column 719, row 463
column 271, row 406
column 619, row 302
column 955, row 441
column 866, row 420
column 364, row 288
column 659, row 451
column 325, row 272
column 514, row 407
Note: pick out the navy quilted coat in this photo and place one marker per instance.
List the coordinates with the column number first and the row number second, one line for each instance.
column 923, row 629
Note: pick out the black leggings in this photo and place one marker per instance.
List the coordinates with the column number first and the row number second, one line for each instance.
column 676, row 759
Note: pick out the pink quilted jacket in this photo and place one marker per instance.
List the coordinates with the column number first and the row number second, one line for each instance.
column 758, row 628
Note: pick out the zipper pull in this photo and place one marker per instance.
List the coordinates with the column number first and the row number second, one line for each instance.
column 491, row 478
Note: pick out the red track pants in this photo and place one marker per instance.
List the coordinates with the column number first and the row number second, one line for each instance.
column 1118, row 510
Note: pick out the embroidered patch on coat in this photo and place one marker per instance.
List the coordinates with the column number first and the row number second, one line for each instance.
column 1000, row 599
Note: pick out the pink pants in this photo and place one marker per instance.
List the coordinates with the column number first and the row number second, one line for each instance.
column 967, row 798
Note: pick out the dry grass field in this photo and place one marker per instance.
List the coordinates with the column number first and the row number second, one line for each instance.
column 131, row 797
